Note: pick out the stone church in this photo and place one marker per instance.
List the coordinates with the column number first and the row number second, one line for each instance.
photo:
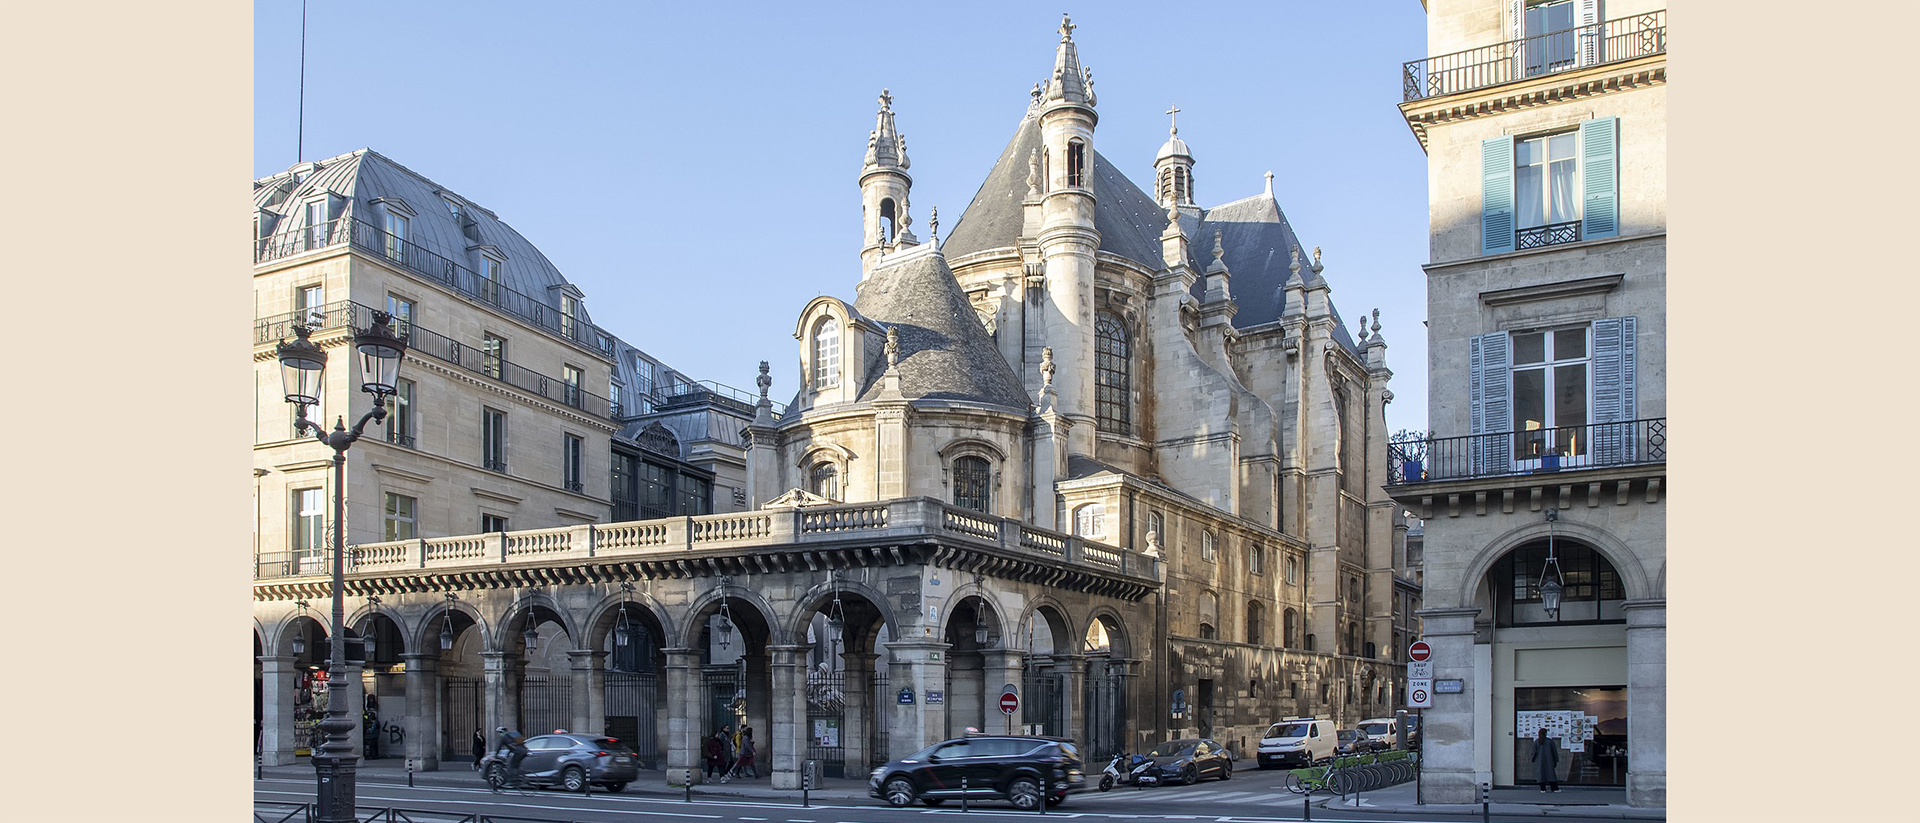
column 1109, row 451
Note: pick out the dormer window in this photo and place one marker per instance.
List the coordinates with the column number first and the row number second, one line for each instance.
column 397, row 227
column 569, row 307
column 317, row 223
column 826, row 353
column 489, row 279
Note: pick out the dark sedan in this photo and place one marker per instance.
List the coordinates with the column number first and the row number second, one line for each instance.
column 570, row 761
column 1191, row 759
column 1024, row 770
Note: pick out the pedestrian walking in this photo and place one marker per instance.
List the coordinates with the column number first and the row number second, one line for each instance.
column 716, row 753
column 1546, row 761
column 479, row 748
column 747, row 752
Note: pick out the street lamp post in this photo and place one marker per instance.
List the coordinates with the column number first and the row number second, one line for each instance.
column 301, row 365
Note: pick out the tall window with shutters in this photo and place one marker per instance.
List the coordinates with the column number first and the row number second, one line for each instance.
column 1565, row 396
column 1548, row 189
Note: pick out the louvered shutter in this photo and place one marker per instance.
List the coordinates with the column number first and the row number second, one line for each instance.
column 1516, row 34
column 1496, row 195
column 1599, row 170
column 1490, row 387
column 1613, row 391
column 1587, row 21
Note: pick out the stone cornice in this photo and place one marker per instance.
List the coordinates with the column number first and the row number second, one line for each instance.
column 1545, row 90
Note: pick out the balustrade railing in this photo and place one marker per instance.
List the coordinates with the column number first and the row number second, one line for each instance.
column 1565, row 448
column 833, row 523
column 1596, row 44
column 1548, row 235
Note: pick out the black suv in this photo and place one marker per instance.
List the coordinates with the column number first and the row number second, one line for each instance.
column 990, row 767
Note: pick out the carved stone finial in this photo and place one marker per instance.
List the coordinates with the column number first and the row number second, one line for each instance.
column 1219, row 250
column 1046, row 367
column 1295, row 265
column 933, row 224
column 1269, row 182
column 765, row 380
column 1033, row 172
column 1173, row 214
column 1066, row 28
column 1036, row 93
column 1376, row 320
column 893, row 346
column 886, row 100
column 1363, row 328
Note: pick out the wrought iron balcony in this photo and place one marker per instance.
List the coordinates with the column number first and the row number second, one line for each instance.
column 1568, row 448
column 1550, row 234
column 1597, row 44
column 420, row 260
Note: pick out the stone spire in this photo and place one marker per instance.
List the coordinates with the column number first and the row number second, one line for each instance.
column 1071, row 84
column 886, row 149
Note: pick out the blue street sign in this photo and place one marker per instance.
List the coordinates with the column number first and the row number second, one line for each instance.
column 906, row 695
column 936, row 697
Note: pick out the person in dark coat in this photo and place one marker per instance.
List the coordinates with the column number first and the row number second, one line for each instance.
column 716, row 754
column 479, row 748
column 1546, row 761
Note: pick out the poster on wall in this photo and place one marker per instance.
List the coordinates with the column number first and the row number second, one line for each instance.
column 826, row 732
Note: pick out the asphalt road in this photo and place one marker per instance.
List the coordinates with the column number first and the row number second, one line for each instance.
column 1252, row 796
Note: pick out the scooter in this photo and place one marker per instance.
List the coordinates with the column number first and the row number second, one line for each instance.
column 1145, row 772
column 1113, row 774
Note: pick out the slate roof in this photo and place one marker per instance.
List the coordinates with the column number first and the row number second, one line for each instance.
column 1254, row 231
column 365, row 175
column 945, row 354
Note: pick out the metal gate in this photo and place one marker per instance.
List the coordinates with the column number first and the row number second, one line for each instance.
column 1106, row 712
column 462, row 713
column 633, row 702
column 826, row 718
column 1041, row 707
column 546, row 704
column 725, row 703
column 881, row 700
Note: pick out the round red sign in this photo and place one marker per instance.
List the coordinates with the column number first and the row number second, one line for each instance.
column 1009, row 702
column 1419, row 651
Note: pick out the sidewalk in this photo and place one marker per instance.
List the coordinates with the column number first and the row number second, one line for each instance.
column 1522, row 801
column 393, row 771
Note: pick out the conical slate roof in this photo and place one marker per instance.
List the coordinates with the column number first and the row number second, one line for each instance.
column 945, row 354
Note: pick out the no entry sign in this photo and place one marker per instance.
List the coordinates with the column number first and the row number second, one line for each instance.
column 1009, row 702
column 1419, row 651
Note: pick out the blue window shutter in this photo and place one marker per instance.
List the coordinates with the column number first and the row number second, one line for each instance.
column 1496, row 195
column 1600, row 177
column 1491, row 387
column 1613, row 390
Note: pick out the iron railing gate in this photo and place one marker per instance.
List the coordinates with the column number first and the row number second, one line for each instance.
column 826, row 718
column 633, row 702
column 1041, row 706
column 546, row 704
column 722, row 688
column 461, row 714
column 880, row 701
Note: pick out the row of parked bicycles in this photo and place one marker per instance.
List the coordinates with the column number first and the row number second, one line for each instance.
column 1347, row 775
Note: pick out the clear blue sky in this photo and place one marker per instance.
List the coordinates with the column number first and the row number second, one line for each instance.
column 693, row 167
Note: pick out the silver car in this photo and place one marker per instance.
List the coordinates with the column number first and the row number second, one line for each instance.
column 574, row 762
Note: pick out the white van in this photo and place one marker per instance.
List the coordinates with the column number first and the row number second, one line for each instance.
column 1382, row 730
column 1297, row 741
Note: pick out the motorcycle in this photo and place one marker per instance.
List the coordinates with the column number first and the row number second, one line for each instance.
column 1145, row 771
column 1128, row 769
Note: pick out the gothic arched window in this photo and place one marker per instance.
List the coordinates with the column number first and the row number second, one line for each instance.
column 971, row 476
column 887, row 220
column 826, row 353
column 1112, row 375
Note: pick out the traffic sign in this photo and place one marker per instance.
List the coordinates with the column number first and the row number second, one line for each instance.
column 1422, row 669
column 1009, row 703
column 1419, row 693
column 1419, row 651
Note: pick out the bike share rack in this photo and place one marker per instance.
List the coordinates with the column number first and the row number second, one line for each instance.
column 1352, row 775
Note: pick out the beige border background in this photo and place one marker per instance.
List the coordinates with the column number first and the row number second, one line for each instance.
column 1793, row 304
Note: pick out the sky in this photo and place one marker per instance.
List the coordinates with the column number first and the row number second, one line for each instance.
column 693, row 167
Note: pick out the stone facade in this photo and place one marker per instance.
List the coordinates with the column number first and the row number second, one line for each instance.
column 1500, row 488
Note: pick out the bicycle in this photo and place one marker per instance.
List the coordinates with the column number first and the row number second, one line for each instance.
column 1332, row 778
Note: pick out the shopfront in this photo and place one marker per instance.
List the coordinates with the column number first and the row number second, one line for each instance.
column 1589, row 724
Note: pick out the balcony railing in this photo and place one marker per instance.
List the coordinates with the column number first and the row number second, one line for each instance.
column 639, row 539
column 1592, row 45
column 1551, row 234
column 417, row 258
column 1568, row 448
column 357, row 317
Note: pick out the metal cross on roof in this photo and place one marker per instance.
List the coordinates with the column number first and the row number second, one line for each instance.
column 1173, row 122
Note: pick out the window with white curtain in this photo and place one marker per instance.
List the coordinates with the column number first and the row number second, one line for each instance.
column 826, row 353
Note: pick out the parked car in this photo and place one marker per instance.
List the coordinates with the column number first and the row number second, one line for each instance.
column 1020, row 769
column 1352, row 741
column 1381, row 730
column 1190, row 759
column 570, row 761
column 1296, row 741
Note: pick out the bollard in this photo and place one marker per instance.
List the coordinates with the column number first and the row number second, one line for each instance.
column 689, row 784
column 1486, row 810
column 963, row 795
column 1043, row 795
column 1306, row 805
column 257, row 757
column 409, row 772
column 806, row 781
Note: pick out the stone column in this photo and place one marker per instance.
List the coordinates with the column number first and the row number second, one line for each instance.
column 683, row 713
column 502, row 673
column 786, row 739
column 1448, row 772
column 348, row 685
column 1003, row 666
column 277, row 679
column 1646, row 703
column 1072, row 669
column 423, row 712
column 919, row 664
column 589, row 690
column 856, row 685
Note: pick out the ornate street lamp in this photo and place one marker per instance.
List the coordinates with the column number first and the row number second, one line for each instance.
column 1550, row 589
column 623, row 632
column 979, row 611
column 836, row 612
column 366, row 634
column 302, row 365
column 300, row 637
column 446, row 628
column 726, row 616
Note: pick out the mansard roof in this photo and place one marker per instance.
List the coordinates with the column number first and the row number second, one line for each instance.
column 945, row 354
column 365, row 180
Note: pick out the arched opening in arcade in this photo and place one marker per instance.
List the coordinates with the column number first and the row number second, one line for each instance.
column 847, row 677
column 1044, row 678
column 729, row 635
column 1108, row 669
column 977, row 665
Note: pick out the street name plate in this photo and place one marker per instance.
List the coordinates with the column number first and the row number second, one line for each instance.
column 1449, row 686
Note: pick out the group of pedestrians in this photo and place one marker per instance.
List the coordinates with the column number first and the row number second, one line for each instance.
column 730, row 753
